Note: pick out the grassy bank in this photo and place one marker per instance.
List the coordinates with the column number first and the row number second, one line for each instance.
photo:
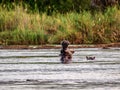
column 17, row 27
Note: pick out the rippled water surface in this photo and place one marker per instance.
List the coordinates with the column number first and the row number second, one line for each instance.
column 40, row 69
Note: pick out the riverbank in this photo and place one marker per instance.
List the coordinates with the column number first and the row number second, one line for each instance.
column 104, row 46
column 19, row 27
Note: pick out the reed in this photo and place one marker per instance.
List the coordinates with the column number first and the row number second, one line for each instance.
column 17, row 26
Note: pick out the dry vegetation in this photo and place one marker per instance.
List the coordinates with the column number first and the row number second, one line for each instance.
column 17, row 27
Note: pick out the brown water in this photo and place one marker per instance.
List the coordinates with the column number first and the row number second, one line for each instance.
column 41, row 69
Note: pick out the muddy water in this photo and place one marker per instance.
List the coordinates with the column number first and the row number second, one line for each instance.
column 41, row 69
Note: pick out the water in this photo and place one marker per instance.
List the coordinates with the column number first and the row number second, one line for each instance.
column 40, row 69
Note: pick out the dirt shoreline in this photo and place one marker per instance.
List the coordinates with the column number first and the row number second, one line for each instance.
column 104, row 46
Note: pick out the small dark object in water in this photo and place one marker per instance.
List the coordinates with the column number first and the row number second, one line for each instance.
column 31, row 80
column 90, row 58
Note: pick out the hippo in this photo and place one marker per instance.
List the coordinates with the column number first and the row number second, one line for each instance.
column 66, row 53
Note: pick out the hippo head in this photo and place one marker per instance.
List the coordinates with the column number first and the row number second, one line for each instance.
column 65, row 44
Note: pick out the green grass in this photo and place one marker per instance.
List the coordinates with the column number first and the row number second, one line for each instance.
column 17, row 27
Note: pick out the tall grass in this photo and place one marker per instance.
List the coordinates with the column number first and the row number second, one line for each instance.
column 19, row 27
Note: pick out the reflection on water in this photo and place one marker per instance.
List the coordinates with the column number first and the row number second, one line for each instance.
column 41, row 70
